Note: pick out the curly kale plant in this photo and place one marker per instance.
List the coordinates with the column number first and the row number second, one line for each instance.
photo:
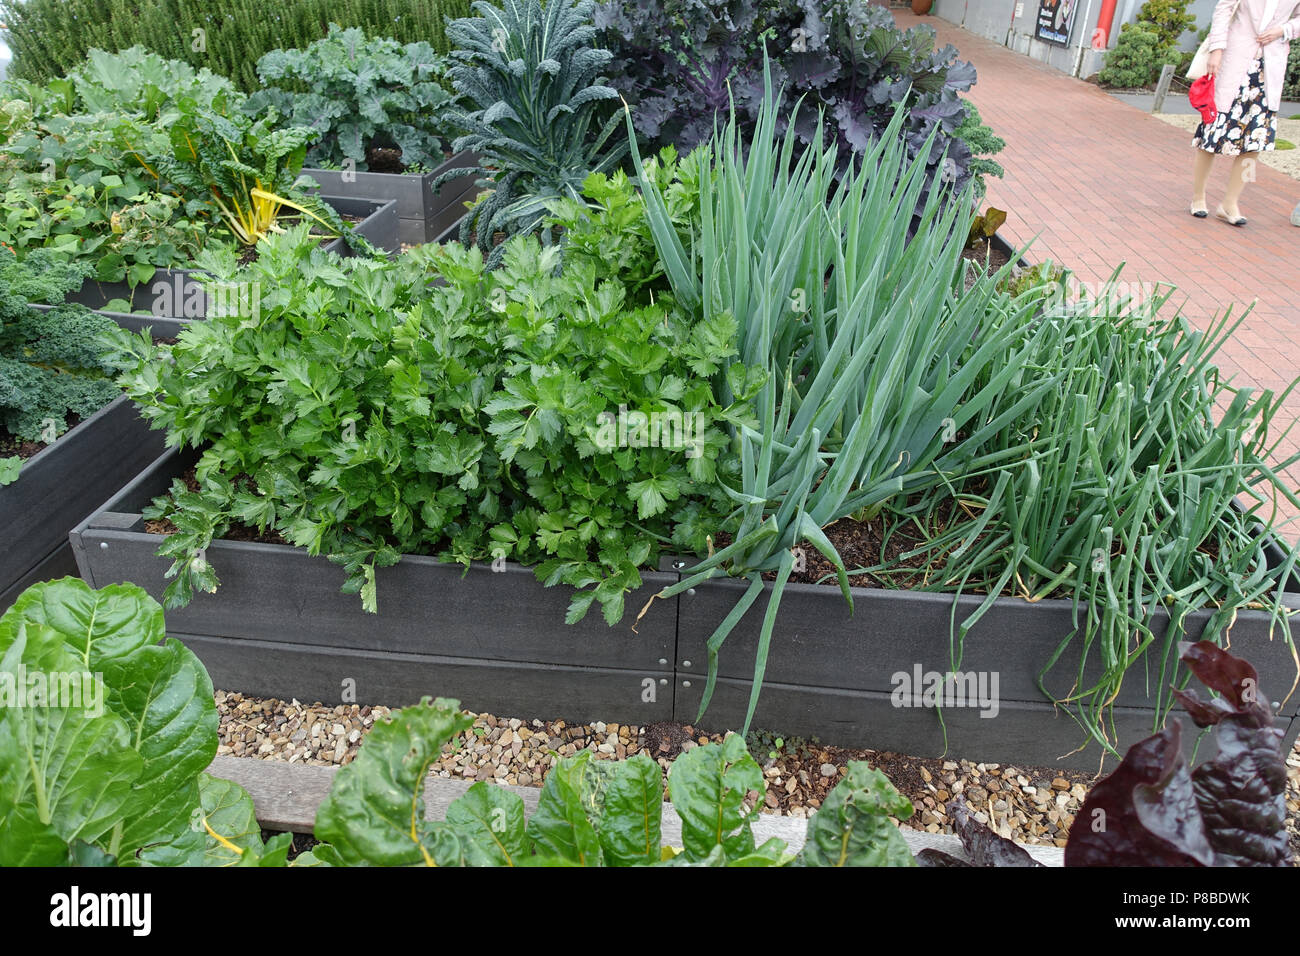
column 359, row 95
column 504, row 414
column 52, row 364
column 680, row 63
column 983, row 143
column 535, row 111
column 683, row 63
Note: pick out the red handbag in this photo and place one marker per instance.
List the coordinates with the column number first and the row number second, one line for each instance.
column 1201, row 96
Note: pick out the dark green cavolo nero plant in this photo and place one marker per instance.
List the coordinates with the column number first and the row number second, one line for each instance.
column 52, row 364
column 359, row 95
column 557, row 417
column 534, row 109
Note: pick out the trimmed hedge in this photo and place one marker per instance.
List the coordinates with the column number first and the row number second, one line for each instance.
column 50, row 37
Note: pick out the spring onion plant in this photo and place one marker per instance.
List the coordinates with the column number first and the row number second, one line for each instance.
column 874, row 352
column 1146, row 489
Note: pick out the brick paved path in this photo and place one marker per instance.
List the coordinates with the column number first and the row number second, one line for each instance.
column 1098, row 182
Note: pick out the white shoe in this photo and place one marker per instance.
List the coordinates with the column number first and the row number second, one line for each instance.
column 1295, row 215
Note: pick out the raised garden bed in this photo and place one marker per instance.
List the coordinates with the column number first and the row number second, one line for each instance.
column 61, row 485
column 425, row 214
column 279, row 627
column 378, row 224
column 833, row 675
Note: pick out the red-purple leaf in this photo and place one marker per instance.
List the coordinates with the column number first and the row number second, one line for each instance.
column 1234, row 680
column 1143, row 814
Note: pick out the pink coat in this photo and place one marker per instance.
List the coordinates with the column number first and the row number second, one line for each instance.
column 1235, row 36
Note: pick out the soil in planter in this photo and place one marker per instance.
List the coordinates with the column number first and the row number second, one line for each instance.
column 987, row 257
column 237, row 530
column 11, row 446
column 870, row 544
column 299, row 843
column 385, row 159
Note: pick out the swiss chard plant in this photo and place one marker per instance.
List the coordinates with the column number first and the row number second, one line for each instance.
column 534, row 108
column 558, row 417
column 249, row 169
column 360, row 96
column 105, row 731
column 107, row 727
column 590, row 812
column 53, row 364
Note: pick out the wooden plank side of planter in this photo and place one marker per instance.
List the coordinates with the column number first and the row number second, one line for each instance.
column 451, row 206
column 405, row 189
column 395, row 679
column 1019, row 733
column 62, row 563
column 425, row 606
column 379, row 224
column 818, row 643
column 424, row 212
column 67, row 481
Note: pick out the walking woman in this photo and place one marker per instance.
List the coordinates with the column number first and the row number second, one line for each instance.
column 1249, row 43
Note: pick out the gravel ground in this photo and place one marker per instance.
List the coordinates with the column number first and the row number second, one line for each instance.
column 1030, row 804
column 1286, row 160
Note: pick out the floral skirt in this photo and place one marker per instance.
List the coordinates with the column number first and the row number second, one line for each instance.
column 1248, row 127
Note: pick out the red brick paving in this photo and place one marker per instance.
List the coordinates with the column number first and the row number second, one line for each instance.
column 1094, row 182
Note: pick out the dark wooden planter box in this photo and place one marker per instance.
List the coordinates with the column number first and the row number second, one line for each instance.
column 832, row 675
column 425, row 214
column 379, row 226
column 1004, row 247
column 63, row 484
column 279, row 627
